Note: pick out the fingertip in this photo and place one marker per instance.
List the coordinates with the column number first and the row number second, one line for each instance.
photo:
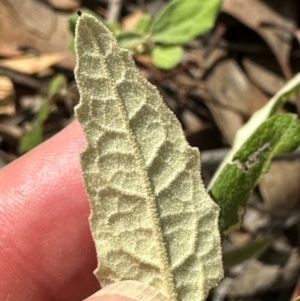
column 128, row 290
column 115, row 297
column 46, row 248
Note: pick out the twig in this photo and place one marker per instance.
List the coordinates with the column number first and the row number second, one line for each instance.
column 211, row 159
column 21, row 78
column 113, row 10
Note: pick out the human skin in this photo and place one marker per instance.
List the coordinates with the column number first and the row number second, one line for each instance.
column 46, row 249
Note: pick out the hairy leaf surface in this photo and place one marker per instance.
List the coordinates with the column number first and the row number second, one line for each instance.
column 151, row 219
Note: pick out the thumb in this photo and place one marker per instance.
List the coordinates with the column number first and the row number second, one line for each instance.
column 128, row 290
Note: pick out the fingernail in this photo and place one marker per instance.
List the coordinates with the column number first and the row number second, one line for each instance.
column 128, row 290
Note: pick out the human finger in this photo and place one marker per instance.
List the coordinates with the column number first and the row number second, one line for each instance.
column 46, row 250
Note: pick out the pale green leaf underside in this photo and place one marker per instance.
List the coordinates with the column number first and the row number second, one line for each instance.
column 151, row 220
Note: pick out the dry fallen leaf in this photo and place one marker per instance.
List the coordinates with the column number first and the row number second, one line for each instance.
column 7, row 96
column 33, row 64
column 234, row 96
column 280, row 186
column 131, row 20
column 255, row 278
column 269, row 22
column 33, row 25
column 262, row 72
column 65, row 4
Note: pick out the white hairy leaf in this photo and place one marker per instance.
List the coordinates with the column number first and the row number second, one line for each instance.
column 151, row 219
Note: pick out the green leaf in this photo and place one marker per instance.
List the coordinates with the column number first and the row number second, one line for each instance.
column 71, row 45
column 233, row 201
column 34, row 136
column 248, row 251
column 166, row 57
column 57, row 83
column 151, row 218
column 130, row 40
column 72, row 19
column 181, row 21
column 136, row 39
column 297, row 299
column 231, row 190
column 265, row 112
column 142, row 25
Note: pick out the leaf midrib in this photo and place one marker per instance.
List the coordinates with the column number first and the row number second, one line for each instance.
column 150, row 199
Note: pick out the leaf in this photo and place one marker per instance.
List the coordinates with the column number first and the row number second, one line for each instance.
column 273, row 21
column 130, row 40
column 243, row 253
column 181, row 21
column 260, row 116
column 166, row 57
column 72, row 19
column 232, row 188
column 151, row 219
column 34, row 136
column 267, row 111
column 238, row 184
column 142, row 25
column 29, row 64
column 7, row 96
column 32, row 24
